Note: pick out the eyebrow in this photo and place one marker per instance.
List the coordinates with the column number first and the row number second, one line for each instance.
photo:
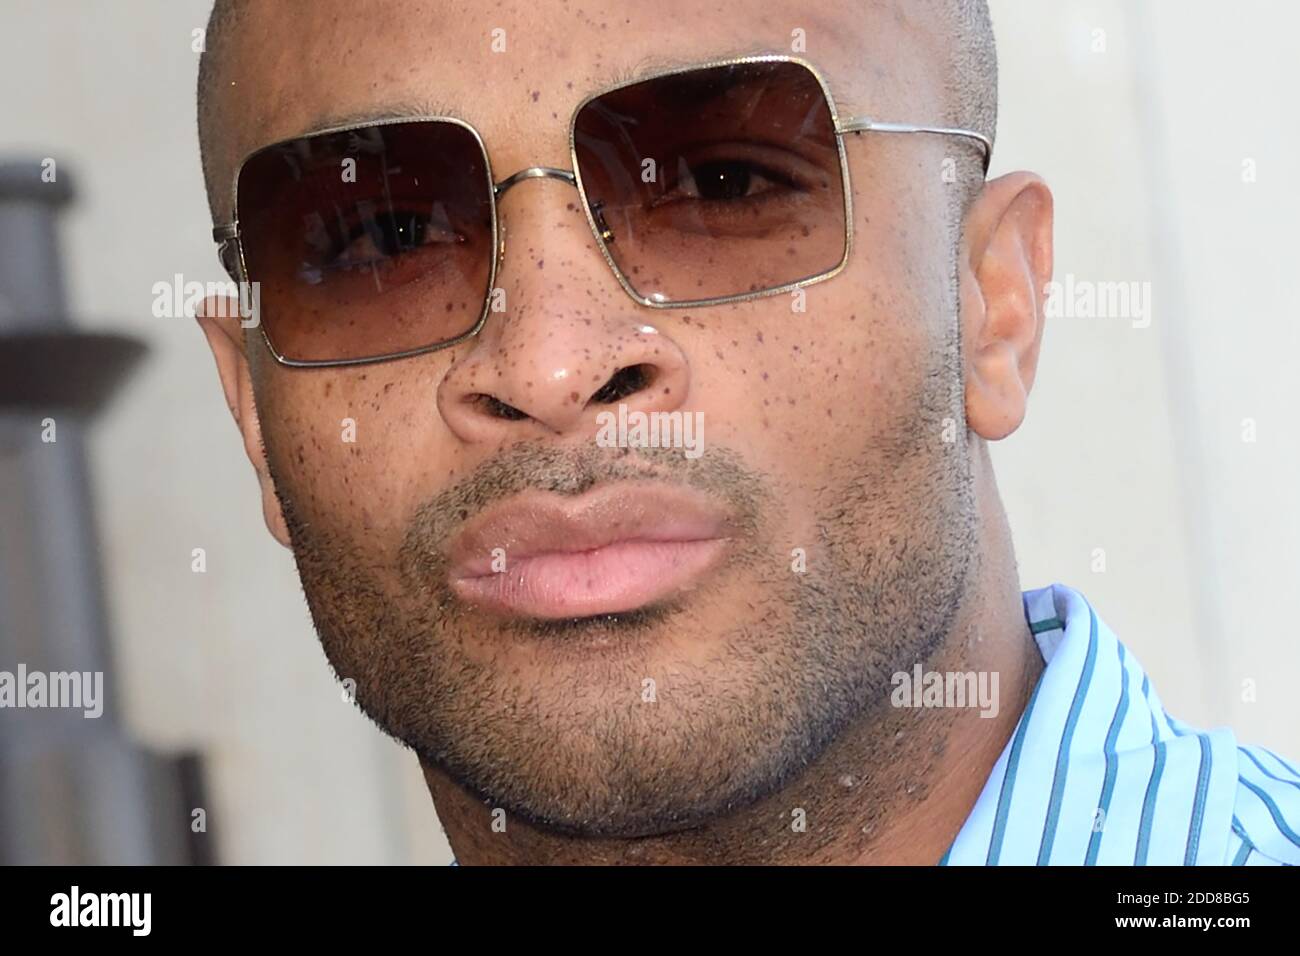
column 651, row 65
column 399, row 110
column 645, row 68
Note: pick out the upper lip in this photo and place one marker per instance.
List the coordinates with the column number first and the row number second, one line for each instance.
column 535, row 523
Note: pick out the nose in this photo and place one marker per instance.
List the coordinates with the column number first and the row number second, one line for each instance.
column 568, row 341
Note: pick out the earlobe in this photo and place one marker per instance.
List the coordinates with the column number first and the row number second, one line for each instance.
column 1005, row 265
column 221, row 326
column 272, row 513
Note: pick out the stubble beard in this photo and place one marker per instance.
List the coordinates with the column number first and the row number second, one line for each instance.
column 579, row 747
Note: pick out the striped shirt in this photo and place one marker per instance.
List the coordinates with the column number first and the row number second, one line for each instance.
column 1097, row 773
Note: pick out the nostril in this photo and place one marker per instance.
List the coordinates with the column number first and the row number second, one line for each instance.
column 624, row 382
column 497, row 408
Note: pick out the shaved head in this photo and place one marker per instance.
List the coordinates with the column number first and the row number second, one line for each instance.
column 223, row 23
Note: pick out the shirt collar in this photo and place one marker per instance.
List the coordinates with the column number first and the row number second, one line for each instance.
column 1096, row 772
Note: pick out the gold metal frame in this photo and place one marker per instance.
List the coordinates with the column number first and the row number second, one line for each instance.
column 231, row 251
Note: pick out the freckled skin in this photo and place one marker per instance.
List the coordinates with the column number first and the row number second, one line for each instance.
column 823, row 426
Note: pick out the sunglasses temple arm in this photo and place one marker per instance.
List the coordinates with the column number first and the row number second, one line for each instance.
column 226, row 237
column 866, row 125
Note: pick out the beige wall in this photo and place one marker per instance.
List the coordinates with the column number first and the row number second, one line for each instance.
column 1133, row 444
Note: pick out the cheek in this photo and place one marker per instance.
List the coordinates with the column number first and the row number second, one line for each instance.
column 797, row 392
column 849, row 364
column 356, row 451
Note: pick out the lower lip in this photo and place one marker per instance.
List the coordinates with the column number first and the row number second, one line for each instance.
column 622, row 576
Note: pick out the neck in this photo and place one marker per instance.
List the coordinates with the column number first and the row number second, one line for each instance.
column 894, row 788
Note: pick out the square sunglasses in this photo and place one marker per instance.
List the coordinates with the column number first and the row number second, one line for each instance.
column 702, row 185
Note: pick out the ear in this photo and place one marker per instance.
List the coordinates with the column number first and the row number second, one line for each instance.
column 1004, row 267
column 219, row 319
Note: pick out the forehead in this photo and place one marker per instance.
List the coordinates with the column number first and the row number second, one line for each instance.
column 516, row 69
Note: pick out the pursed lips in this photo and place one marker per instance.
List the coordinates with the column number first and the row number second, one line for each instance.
column 615, row 548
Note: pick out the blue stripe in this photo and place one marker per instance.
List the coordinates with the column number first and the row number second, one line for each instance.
column 1112, row 766
column 1153, row 785
column 1242, row 854
column 1249, row 847
column 1283, row 762
column 1008, row 782
column 1265, row 771
column 1273, row 810
column 1062, row 753
column 944, row 861
column 1198, row 809
column 1198, row 806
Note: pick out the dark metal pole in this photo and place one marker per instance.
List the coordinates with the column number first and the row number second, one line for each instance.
column 73, row 789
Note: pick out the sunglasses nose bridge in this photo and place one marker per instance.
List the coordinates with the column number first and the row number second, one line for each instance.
column 534, row 172
column 531, row 172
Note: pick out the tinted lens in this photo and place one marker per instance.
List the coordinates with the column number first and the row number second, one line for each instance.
column 715, row 182
column 369, row 242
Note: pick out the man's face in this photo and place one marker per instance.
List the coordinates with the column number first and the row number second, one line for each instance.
column 820, row 543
